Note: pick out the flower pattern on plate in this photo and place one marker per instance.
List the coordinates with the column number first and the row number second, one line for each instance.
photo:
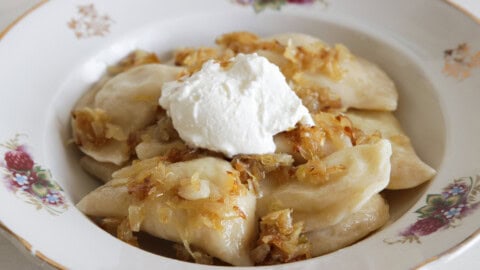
column 89, row 23
column 460, row 61
column 29, row 180
column 443, row 211
column 260, row 5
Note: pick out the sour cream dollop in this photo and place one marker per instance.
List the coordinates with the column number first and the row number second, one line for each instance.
column 234, row 110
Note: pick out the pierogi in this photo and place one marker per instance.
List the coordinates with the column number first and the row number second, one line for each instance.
column 320, row 191
column 362, row 84
column 408, row 170
column 124, row 105
column 200, row 202
column 324, row 202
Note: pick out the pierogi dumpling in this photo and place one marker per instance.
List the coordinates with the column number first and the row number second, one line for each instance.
column 199, row 202
column 408, row 170
column 101, row 170
column 125, row 104
column 372, row 215
column 363, row 85
column 130, row 99
column 365, row 171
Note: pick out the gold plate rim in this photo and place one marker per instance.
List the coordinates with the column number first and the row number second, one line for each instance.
column 56, row 265
column 36, row 253
column 463, row 10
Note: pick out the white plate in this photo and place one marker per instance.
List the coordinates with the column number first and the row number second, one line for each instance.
column 53, row 55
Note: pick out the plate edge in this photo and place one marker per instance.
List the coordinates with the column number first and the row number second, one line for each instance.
column 56, row 265
column 5, row 31
column 30, row 249
column 464, row 10
column 449, row 252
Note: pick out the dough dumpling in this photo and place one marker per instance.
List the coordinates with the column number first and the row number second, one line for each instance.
column 366, row 171
column 408, row 170
column 125, row 104
column 202, row 203
column 101, row 170
column 363, row 84
column 372, row 215
column 130, row 99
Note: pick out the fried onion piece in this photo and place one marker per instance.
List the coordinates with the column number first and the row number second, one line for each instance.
column 316, row 57
column 92, row 127
column 193, row 58
column 254, row 168
column 257, row 166
column 332, row 132
column 280, row 241
column 317, row 172
column 239, row 42
column 318, row 99
column 134, row 59
column 97, row 137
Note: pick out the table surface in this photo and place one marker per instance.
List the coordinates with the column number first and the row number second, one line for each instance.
column 11, row 258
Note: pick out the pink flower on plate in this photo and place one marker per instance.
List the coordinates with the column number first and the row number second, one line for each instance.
column 89, row 22
column 18, row 160
column 443, row 211
column 28, row 180
column 424, row 226
column 460, row 61
column 260, row 5
column 245, row 2
column 300, row 1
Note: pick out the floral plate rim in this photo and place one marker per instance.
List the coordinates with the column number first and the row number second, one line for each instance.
column 36, row 254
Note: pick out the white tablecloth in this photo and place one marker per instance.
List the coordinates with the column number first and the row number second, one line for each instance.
column 11, row 258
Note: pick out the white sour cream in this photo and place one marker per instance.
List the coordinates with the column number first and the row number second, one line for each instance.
column 236, row 110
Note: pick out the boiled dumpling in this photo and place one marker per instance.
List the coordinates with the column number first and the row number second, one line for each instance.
column 125, row 104
column 199, row 202
column 363, row 85
column 372, row 215
column 101, row 170
column 408, row 170
column 146, row 150
column 130, row 99
column 359, row 172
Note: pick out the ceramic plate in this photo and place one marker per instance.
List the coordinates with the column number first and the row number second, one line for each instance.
column 53, row 55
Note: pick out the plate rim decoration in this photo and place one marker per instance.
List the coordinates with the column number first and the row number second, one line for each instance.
column 24, row 241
